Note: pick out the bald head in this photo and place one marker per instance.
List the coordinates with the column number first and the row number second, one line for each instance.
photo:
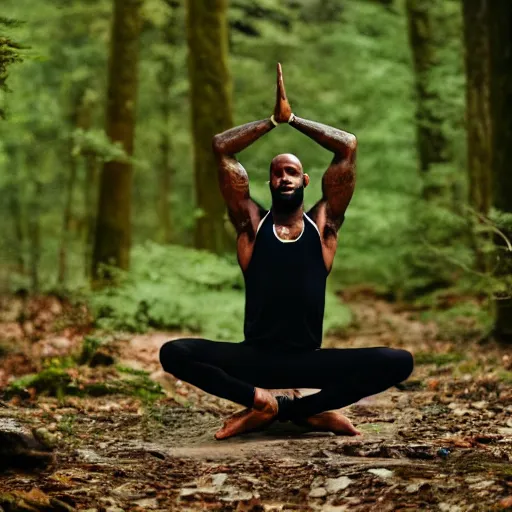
column 285, row 160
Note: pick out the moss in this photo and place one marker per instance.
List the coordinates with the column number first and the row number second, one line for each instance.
column 438, row 359
column 51, row 381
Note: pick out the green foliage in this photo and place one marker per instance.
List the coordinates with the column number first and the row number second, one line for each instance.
column 346, row 63
column 53, row 381
column 173, row 287
column 9, row 50
column 57, row 381
column 89, row 347
column 438, row 359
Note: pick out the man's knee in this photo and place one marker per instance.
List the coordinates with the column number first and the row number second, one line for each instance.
column 174, row 356
column 398, row 362
column 404, row 364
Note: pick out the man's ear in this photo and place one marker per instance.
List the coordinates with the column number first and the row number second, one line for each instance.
column 306, row 180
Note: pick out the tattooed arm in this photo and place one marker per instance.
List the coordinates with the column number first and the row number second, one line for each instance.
column 339, row 180
column 233, row 180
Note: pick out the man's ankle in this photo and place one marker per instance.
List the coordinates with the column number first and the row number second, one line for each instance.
column 263, row 399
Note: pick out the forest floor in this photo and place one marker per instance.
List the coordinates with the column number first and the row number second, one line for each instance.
column 443, row 441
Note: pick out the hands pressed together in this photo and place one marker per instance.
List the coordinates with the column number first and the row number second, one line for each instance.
column 282, row 110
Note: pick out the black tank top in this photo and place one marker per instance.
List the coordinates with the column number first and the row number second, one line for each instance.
column 285, row 289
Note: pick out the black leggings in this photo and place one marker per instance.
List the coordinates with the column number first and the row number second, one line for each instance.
column 233, row 370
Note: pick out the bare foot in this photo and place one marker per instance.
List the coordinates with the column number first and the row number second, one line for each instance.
column 330, row 421
column 263, row 412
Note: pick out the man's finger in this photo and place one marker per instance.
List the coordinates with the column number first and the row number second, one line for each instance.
column 280, row 82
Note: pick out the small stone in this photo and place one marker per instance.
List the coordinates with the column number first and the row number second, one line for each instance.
column 146, row 503
column 318, row 481
column 381, row 472
column 482, row 485
column 334, row 485
column 45, row 437
column 218, row 479
column 235, row 494
column 447, row 507
column 482, row 404
column 318, row 492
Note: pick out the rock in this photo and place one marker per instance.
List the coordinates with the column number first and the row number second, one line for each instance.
column 461, row 412
column 447, row 507
column 234, row 494
column 218, row 479
column 89, row 455
column 45, row 437
column 334, row 485
column 189, row 493
column 32, row 501
column 146, row 503
column 482, row 404
column 129, row 491
column 381, row 472
column 318, row 492
column 60, row 506
column 482, row 485
column 19, row 447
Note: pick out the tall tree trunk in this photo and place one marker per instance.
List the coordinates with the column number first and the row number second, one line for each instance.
column 166, row 170
column 431, row 141
column 113, row 226
column 488, row 37
column 501, row 114
column 478, row 117
column 67, row 216
column 210, row 90
column 90, row 191
column 34, row 226
column 166, row 174
column 13, row 193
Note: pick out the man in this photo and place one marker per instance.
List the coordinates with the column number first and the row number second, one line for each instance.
column 285, row 256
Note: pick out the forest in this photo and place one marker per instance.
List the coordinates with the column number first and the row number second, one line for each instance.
column 115, row 238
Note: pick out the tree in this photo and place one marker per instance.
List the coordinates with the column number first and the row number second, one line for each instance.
column 431, row 140
column 210, row 98
column 9, row 52
column 500, row 31
column 488, row 39
column 113, row 225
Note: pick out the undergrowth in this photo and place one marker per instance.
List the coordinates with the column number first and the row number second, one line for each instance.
column 174, row 287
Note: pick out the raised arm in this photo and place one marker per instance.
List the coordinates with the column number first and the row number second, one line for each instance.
column 233, row 179
column 339, row 180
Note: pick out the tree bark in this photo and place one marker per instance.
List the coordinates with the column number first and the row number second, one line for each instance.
column 488, row 37
column 13, row 193
column 34, row 227
column 210, row 95
column 431, row 141
column 166, row 170
column 500, row 31
column 67, row 216
column 478, row 117
column 113, row 226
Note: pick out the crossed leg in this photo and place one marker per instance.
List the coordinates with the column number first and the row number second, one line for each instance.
column 240, row 372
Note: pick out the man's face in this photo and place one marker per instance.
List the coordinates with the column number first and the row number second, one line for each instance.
column 287, row 182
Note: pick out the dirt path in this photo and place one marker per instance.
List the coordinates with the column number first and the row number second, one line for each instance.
column 443, row 442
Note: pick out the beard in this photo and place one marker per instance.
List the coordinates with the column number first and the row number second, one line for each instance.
column 287, row 203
